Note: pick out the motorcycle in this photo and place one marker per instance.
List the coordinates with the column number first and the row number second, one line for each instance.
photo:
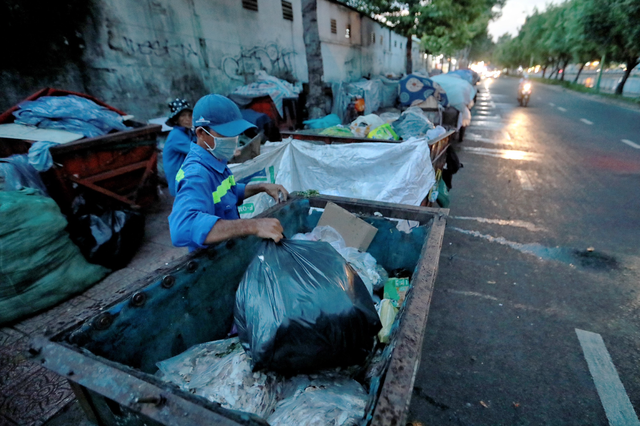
column 524, row 93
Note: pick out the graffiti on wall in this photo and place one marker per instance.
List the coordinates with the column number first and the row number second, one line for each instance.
column 270, row 58
column 159, row 48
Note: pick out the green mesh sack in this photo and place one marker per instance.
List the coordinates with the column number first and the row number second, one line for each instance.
column 39, row 265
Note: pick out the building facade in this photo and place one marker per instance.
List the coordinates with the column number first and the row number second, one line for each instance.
column 139, row 55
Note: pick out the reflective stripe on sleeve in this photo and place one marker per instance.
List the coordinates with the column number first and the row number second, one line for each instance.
column 224, row 187
column 180, row 175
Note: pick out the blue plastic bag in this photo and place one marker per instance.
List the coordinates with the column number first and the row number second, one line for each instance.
column 40, row 157
column 71, row 113
column 324, row 122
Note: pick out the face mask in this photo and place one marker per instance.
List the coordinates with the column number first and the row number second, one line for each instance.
column 224, row 148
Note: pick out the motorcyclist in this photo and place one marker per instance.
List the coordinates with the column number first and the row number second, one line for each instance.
column 524, row 87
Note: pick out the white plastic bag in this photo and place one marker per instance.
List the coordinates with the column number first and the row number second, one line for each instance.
column 365, row 124
column 221, row 372
column 338, row 401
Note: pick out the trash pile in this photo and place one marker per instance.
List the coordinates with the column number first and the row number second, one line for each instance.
column 412, row 123
column 71, row 113
column 266, row 85
column 308, row 313
column 460, row 93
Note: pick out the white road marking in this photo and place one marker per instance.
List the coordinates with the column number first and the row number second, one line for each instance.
column 507, row 135
column 552, row 104
column 524, row 180
column 614, row 398
column 562, row 109
column 585, row 121
column 519, row 223
column 628, row 142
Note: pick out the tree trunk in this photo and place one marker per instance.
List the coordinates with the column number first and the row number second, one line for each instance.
column 315, row 99
column 409, row 66
column 630, row 66
column 558, row 69
column 564, row 69
column 575, row 80
column 544, row 70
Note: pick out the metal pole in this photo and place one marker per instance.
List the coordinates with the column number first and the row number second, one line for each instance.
column 604, row 58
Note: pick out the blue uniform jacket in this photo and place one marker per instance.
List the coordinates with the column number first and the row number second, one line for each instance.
column 207, row 191
column 175, row 151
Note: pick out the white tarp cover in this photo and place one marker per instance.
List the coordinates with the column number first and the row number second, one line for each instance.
column 389, row 172
column 459, row 91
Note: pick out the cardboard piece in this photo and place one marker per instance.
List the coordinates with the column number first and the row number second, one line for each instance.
column 356, row 232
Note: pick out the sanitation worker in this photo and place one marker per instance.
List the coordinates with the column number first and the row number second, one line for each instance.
column 178, row 142
column 205, row 210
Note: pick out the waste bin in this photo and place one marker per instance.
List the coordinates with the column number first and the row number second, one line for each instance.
column 110, row 359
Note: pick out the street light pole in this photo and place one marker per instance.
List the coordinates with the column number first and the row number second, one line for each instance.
column 604, row 58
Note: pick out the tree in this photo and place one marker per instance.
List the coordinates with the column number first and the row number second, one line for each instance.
column 315, row 97
column 446, row 26
column 615, row 26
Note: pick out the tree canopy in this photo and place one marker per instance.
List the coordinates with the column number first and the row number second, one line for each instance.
column 576, row 31
column 444, row 26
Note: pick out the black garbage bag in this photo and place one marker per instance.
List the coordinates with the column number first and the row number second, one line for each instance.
column 106, row 237
column 301, row 307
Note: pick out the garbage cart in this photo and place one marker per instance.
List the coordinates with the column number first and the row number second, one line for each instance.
column 118, row 168
column 110, row 360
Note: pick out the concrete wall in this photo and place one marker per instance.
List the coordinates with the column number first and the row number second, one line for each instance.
column 348, row 59
column 162, row 49
column 137, row 56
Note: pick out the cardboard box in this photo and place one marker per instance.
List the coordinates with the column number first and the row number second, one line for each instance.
column 356, row 232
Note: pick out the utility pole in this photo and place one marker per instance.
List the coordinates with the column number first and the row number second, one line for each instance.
column 604, row 58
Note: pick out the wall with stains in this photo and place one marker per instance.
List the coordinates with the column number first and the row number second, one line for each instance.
column 138, row 56
column 371, row 48
column 160, row 49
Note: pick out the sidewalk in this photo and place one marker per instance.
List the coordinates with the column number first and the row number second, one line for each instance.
column 30, row 394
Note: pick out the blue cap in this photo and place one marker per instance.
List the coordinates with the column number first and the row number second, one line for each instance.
column 221, row 115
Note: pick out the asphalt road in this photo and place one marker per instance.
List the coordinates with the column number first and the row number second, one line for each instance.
column 543, row 239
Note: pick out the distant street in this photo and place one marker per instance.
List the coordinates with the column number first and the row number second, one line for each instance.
column 543, row 239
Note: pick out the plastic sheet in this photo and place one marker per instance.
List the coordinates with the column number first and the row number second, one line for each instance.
column 389, row 117
column 72, row 113
column 412, row 123
column 322, row 402
column 436, row 132
column 17, row 174
column 220, row 371
column 394, row 173
column 459, row 91
column 389, row 95
column 300, row 307
column 40, row 157
column 324, row 122
column 370, row 91
column 39, row 266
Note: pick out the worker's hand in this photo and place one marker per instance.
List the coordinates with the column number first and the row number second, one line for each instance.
column 269, row 228
column 276, row 191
